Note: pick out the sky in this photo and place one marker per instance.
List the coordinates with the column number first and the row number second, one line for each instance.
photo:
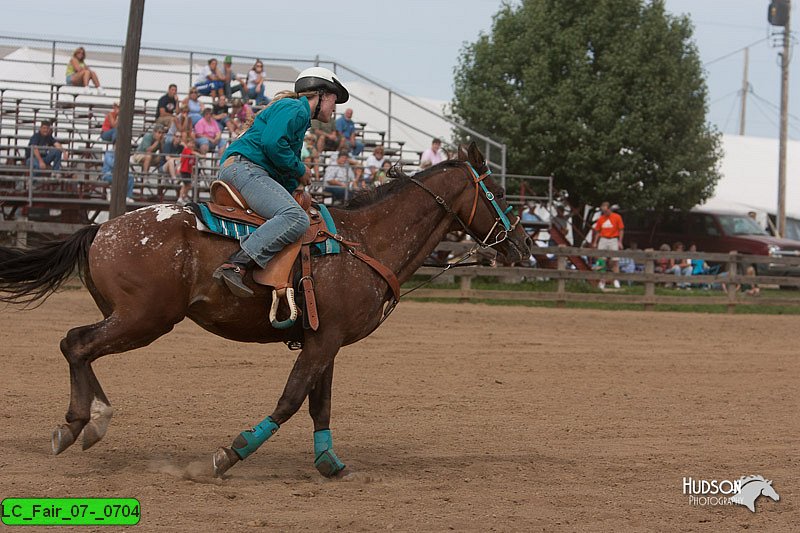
column 411, row 45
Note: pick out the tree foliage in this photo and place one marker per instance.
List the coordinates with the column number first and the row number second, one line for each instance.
column 606, row 96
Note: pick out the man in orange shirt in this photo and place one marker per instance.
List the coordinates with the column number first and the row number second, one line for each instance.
column 608, row 233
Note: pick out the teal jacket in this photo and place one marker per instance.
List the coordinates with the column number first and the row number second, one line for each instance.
column 275, row 139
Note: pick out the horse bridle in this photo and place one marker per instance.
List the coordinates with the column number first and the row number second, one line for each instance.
column 501, row 218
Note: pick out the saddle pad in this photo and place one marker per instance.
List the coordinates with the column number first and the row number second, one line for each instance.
column 234, row 229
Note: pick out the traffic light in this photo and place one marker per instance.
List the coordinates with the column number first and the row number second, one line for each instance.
column 778, row 12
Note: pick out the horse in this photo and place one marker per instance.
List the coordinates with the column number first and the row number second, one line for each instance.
column 151, row 268
column 751, row 488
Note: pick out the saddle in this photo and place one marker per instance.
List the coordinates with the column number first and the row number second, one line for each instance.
column 227, row 202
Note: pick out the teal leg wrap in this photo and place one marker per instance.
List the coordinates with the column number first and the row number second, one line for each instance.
column 248, row 441
column 325, row 459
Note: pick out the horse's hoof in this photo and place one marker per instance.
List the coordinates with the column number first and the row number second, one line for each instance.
column 61, row 440
column 223, row 459
column 95, row 430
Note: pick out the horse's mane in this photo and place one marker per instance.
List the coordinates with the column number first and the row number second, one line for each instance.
column 399, row 181
column 745, row 480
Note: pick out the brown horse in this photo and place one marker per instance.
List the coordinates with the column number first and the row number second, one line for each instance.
column 151, row 268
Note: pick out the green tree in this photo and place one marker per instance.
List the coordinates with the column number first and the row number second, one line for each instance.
column 606, row 96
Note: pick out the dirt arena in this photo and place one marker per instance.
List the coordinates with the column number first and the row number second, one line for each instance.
column 463, row 417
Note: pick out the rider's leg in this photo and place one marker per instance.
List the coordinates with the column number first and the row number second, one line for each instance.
column 286, row 221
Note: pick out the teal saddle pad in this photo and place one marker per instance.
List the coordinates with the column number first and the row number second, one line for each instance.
column 235, row 229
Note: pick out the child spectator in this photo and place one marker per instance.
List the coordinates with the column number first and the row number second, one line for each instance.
column 255, row 84
column 78, row 74
column 207, row 133
column 188, row 159
column 240, row 115
column 209, row 82
column 109, row 131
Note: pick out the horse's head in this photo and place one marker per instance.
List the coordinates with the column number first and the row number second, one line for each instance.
column 768, row 491
column 485, row 212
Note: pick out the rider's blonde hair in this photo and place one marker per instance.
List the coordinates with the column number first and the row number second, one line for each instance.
column 279, row 96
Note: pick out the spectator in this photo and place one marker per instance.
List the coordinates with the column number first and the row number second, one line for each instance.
column 233, row 83
column 373, row 164
column 433, row 155
column 149, row 148
column 209, row 82
column 531, row 222
column 182, row 124
column 347, row 128
column 108, row 174
column 188, row 159
column 193, row 105
column 328, row 138
column 609, row 231
column 219, row 111
column 45, row 151
column 167, row 105
column 751, row 289
column 339, row 176
column 381, row 175
column 78, row 74
column 681, row 267
column 664, row 265
column 109, row 131
column 255, row 84
column 241, row 114
column 172, row 152
column 207, row 133
column 308, row 154
column 627, row 265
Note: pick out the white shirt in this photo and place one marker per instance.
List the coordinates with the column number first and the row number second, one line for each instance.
column 342, row 173
column 205, row 72
column 433, row 157
column 252, row 79
column 373, row 161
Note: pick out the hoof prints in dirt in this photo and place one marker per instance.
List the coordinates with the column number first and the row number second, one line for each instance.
column 197, row 471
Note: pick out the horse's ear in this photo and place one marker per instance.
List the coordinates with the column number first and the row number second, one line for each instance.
column 475, row 156
column 463, row 155
column 769, row 482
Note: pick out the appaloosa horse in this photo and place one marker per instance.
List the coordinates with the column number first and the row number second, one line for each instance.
column 151, row 268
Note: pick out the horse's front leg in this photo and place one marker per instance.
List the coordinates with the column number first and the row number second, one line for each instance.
column 319, row 407
column 314, row 359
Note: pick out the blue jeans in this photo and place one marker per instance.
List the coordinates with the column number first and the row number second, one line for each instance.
column 110, row 177
column 51, row 156
column 109, row 135
column 355, row 148
column 286, row 220
column 257, row 96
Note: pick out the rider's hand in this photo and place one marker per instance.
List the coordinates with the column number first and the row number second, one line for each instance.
column 305, row 179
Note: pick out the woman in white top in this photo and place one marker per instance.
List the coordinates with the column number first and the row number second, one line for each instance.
column 255, row 83
column 373, row 164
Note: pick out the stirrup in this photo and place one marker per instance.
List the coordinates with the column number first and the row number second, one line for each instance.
column 233, row 276
column 273, row 310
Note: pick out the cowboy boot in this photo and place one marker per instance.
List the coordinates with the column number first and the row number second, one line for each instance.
column 232, row 273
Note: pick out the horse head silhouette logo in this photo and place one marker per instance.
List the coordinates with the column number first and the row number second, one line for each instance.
column 751, row 488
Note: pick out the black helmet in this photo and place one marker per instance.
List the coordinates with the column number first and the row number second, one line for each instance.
column 321, row 79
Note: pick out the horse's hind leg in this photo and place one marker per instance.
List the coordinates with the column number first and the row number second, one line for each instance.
column 89, row 409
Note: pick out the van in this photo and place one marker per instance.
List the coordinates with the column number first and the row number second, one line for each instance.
column 712, row 231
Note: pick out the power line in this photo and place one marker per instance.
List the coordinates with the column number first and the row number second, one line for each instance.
column 726, row 56
column 737, row 91
column 725, row 127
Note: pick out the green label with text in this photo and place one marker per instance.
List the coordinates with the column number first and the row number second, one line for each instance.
column 70, row 511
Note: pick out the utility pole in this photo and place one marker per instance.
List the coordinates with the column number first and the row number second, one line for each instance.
column 745, row 90
column 127, row 101
column 784, row 122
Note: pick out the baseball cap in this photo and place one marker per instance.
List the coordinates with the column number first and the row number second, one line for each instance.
column 228, row 60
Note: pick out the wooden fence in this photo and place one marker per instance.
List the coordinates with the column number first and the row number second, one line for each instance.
column 731, row 275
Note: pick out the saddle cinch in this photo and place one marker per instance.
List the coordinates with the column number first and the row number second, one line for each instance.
column 227, row 202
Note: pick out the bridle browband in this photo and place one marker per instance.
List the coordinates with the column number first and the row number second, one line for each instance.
column 501, row 218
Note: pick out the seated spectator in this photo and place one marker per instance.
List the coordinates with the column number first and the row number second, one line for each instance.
column 309, row 156
column 233, row 83
column 78, row 74
column 373, row 165
column 182, row 124
column 149, row 148
column 338, row 177
column 108, row 173
column 382, row 174
column 172, row 152
column 219, row 110
column 167, row 105
column 188, row 159
column 433, row 155
column 193, row 105
column 681, row 267
column 241, row 114
column 45, row 151
column 209, row 82
column 109, row 131
column 751, row 289
column 328, row 138
column 255, row 84
column 664, row 265
column 347, row 128
column 207, row 133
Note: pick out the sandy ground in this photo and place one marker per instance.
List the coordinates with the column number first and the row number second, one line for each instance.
column 464, row 417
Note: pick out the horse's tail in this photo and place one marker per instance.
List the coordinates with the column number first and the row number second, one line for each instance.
column 30, row 275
